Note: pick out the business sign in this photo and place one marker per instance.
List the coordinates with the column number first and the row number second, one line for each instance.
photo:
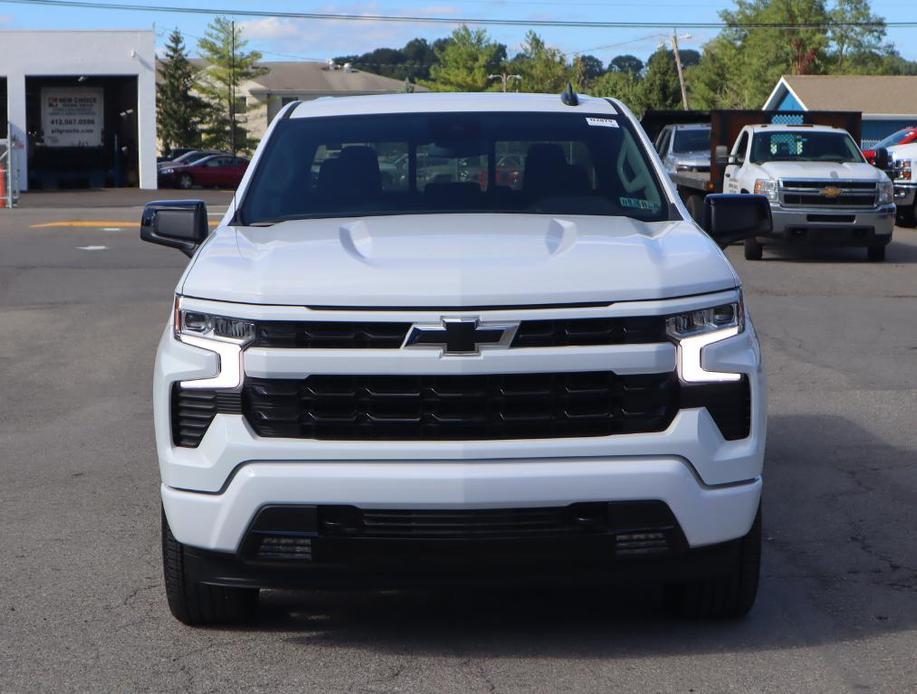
column 72, row 116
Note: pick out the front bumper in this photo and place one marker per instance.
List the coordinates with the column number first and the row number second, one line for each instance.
column 706, row 515
column 211, row 493
column 834, row 227
column 905, row 194
column 624, row 542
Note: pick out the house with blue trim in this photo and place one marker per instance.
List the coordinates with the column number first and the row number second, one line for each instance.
column 887, row 102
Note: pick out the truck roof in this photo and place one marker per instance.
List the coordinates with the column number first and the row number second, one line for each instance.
column 449, row 102
column 780, row 127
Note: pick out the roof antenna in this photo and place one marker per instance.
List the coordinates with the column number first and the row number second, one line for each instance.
column 569, row 96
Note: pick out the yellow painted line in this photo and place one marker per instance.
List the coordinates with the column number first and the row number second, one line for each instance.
column 81, row 224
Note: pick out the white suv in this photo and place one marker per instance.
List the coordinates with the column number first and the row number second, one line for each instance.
column 457, row 374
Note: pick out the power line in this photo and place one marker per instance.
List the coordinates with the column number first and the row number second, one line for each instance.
column 482, row 21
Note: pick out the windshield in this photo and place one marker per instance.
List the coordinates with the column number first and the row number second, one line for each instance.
column 693, row 140
column 541, row 163
column 804, row 146
column 894, row 139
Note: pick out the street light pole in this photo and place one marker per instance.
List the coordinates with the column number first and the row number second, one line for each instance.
column 504, row 78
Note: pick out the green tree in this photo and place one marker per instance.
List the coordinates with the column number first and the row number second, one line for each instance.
column 714, row 82
column 178, row 111
column 228, row 65
column 856, row 34
column 626, row 63
column 543, row 69
column 622, row 85
column 586, row 70
column 465, row 61
column 660, row 88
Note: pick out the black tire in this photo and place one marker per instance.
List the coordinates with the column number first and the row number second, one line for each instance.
column 185, row 182
column 753, row 250
column 199, row 604
column 875, row 254
column 727, row 596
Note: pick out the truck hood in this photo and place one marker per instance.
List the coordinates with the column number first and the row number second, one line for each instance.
column 818, row 170
column 456, row 260
column 903, row 151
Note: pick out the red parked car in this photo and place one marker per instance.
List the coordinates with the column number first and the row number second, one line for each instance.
column 905, row 136
column 217, row 171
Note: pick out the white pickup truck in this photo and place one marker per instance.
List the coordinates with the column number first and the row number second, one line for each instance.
column 458, row 377
column 821, row 189
column 902, row 165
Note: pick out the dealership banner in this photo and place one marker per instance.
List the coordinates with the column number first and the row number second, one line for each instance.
column 71, row 116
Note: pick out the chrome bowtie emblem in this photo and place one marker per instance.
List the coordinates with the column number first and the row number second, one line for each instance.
column 461, row 336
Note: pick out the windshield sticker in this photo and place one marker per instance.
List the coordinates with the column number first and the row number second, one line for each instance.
column 602, row 122
column 639, row 204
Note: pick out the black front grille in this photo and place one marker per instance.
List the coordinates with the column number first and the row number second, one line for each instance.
column 330, row 334
column 461, row 407
column 531, row 333
column 193, row 410
column 505, row 406
column 349, row 521
column 819, row 185
column 590, row 331
column 821, row 201
column 809, row 193
column 307, row 533
column 729, row 404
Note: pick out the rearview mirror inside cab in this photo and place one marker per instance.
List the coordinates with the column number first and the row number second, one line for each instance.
column 731, row 218
column 180, row 224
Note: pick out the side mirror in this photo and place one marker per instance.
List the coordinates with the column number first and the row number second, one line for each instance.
column 731, row 218
column 883, row 159
column 180, row 224
column 722, row 155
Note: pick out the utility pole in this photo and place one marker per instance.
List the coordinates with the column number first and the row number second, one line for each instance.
column 504, row 78
column 232, row 92
column 681, row 73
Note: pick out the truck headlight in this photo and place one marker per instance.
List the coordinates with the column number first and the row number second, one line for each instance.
column 903, row 170
column 212, row 327
column 886, row 192
column 693, row 330
column 765, row 186
column 221, row 334
column 167, row 171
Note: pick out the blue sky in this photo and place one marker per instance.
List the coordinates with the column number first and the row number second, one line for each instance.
column 289, row 39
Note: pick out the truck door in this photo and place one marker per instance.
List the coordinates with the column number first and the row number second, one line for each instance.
column 732, row 177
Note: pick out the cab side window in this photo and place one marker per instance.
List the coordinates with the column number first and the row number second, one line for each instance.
column 665, row 138
column 740, row 149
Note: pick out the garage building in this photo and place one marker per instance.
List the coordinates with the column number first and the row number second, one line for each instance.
column 887, row 102
column 79, row 107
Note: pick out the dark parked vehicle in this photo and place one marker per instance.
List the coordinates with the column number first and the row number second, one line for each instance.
column 175, row 154
column 187, row 157
column 217, row 171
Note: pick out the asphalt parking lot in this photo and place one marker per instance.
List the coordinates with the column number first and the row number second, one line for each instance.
column 82, row 608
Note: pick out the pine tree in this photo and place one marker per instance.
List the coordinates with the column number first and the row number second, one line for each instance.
column 465, row 62
column 543, row 69
column 178, row 111
column 228, row 65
